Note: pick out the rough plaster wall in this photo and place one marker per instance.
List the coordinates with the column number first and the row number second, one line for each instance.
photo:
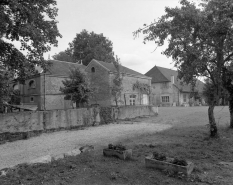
column 54, row 99
column 160, row 90
column 100, row 81
column 127, row 84
column 28, row 92
column 43, row 120
column 54, row 102
column 21, row 122
column 134, row 111
column 69, row 118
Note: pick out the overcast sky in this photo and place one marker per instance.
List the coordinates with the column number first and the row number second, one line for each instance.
column 117, row 20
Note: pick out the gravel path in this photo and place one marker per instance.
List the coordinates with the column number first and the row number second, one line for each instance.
column 22, row 151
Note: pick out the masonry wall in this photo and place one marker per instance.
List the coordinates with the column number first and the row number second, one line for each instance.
column 21, row 122
column 55, row 119
column 28, row 93
column 163, row 89
column 100, row 81
column 51, row 97
column 44, row 120
column 127, row 86
column 136, row 111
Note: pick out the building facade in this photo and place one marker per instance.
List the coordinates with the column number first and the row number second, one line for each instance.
column 102, row 74
column 168, row 90
column 43, row 89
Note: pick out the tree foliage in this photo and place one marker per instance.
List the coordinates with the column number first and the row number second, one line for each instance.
column 200, row 41
column 5, row 90
column 87, row 46
column 77, row 87
column 63, row 56
column 117, row 88
column 33, row 25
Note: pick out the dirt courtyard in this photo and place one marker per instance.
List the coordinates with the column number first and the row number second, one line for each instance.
column 176, row 131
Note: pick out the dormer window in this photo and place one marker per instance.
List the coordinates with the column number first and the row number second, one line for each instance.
column 32, row 84
column 92, row 69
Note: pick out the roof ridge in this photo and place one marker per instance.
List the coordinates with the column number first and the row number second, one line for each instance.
column 123, row 69
column 167, row 68
column 66, row 62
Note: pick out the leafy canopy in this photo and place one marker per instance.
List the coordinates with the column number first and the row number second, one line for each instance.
column 117, row 88
column 87, row 46
column 63, row 56
column 200, row 38
column 32, row 24
column 77, row 88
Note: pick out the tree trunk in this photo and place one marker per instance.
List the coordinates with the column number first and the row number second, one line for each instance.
column 231, row 109
column 213, row 126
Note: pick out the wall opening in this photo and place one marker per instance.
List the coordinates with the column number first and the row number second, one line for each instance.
column 32, row 84
column 93, row 70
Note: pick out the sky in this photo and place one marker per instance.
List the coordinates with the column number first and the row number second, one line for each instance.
column 117, row 20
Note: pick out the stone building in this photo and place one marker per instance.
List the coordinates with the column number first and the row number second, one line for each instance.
column 168, row 90
column 42, row 91
column 101, row 75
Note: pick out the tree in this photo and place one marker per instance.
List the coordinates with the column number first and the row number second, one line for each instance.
column 87, row 46
column 33, row 25
column 77, row 88
column 228, row 84
column 117, row 88
column 200, row 41
column 5, row 91
column 63, row 56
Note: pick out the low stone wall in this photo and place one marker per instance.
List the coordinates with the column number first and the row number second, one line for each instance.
column 135, row 111
column 21, row 122
column 111, row 114
column 46, row 120
column 17, row 124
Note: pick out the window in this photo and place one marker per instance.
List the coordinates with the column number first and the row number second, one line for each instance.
column 92, row 69
column 165, row 99
column 32, row 84
column 31, row 99
column 132, row 99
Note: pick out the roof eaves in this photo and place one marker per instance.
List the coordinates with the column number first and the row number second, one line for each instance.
column 134, row 75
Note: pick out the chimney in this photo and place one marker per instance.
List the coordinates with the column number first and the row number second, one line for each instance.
column 172, row 79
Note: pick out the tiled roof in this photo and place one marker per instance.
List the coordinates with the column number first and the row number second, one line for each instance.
column 125, row 70
column 63, row 68
column 161, row 74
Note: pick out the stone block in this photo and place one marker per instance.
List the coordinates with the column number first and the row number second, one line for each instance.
column 164, row 165
column 57, row 157
column 121, row 154
column 3, row 173
column 72, row 153
column 44, row 159
column 86, row 148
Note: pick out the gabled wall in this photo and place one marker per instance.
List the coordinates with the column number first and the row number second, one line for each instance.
column 100, row 81
column 176, row 97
